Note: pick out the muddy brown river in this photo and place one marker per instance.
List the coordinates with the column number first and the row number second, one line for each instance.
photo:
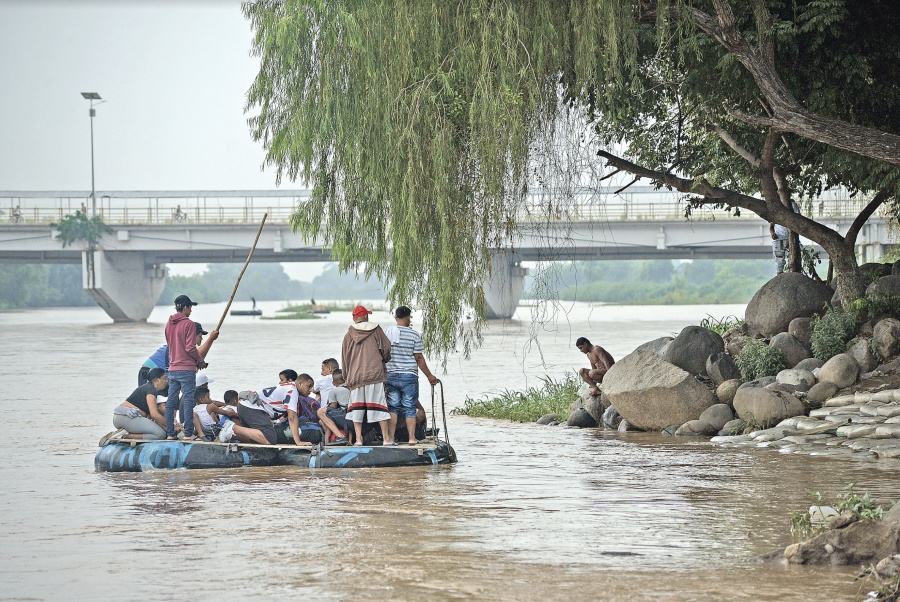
column 528, row 513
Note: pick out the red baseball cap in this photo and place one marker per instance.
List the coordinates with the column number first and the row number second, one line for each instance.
column 359, row 311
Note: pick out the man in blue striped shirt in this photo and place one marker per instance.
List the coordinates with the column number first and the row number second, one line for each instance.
column 403, row 372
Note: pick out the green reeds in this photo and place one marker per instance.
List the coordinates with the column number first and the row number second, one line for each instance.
column 554, row 397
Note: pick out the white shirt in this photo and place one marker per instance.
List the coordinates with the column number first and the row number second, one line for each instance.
column 323, row 386
column 275, row 400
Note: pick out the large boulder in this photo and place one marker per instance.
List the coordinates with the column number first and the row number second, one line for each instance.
column 795, row 380
column 657, row 346
column 694, row 428
column 581, row 419
column 735, row 345
column 886, row 285
column 651, row 394
column 860, row 542
column 717, row 416
column 595, row 405
column 611, row 418
column 801, row 328
column 841, row 370
column 721, row 367
column 765, row 406
column 691, row 347
column 811, row 364
column 783, row 298
column 886, row 338
column 820, row 393
column 725, row 392
column 791, row 348
column 860, row 349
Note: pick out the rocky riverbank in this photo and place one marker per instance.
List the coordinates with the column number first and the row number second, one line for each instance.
column 759, row 383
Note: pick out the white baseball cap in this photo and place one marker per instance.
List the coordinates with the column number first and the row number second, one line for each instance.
column 203, row 379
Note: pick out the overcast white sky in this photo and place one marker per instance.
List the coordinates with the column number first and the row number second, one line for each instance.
column 174, row 75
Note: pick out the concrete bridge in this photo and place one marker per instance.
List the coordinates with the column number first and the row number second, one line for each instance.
column 154, row 228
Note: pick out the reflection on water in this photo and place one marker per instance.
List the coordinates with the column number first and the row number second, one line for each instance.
column 529, row 512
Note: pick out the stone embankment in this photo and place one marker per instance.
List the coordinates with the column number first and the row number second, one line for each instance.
column 693, row 384
column 862, row 425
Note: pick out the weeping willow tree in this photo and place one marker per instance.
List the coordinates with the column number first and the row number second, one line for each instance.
column 418, row 122
column 413, row 121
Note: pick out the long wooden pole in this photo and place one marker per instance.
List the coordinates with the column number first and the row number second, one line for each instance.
column 241, row 275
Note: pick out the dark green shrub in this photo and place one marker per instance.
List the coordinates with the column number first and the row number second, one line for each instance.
column 832, row 331
column 757, row 359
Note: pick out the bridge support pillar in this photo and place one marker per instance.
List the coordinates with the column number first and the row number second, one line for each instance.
column 122, row 284
column 504, row 286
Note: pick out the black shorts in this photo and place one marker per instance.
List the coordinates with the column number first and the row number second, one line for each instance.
column 259, row 420
column 339, row 416
column 309, row 433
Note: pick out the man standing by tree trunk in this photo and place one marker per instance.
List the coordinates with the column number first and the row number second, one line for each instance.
column 364, row 354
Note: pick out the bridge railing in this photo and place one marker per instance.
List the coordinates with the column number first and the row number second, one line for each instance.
column 240, row 208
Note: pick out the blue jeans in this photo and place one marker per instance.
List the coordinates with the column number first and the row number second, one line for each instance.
column 402, row 393
column 184, row 381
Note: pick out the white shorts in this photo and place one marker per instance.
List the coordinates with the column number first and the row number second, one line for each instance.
column 368, row 404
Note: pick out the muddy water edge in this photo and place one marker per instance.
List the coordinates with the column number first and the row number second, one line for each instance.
column 528, row 513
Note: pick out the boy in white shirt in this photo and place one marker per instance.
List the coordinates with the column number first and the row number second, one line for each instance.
column 326, row 383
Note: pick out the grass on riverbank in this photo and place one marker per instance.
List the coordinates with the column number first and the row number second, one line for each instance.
column 304, row 311
column 554, row 397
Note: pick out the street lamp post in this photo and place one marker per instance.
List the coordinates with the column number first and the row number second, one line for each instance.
column 92, row 96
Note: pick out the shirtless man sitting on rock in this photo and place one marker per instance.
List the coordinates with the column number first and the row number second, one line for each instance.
column 601, row 361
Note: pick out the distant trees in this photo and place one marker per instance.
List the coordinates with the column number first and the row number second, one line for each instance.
column 655, row 282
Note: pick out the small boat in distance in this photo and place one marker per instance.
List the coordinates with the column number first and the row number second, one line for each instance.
column 245, row 312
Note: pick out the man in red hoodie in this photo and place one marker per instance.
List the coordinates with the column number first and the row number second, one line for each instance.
column 184, row 359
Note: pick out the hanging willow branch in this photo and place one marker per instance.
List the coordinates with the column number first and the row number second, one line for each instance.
column 412, row 121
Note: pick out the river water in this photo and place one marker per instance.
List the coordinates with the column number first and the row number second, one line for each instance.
column 528, row 513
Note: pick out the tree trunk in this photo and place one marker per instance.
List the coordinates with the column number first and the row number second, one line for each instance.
column 846, row 272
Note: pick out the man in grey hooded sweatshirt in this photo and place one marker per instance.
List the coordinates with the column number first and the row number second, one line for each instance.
column 364, row 354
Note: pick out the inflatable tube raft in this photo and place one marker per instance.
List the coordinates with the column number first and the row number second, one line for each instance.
column 122, row 455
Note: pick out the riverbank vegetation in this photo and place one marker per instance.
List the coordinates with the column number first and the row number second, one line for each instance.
column 308, row 311
column 805, row 524
column 552, row 397
column 663, row 282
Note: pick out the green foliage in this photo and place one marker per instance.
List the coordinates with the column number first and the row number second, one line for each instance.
column 419, row 123
column 630, row 282
column 722, row 325
column 831, row 332
column 554, row 397
column 32, row 285
column 875, row 307
column 758, row 359
column 861, row 505
column 78, row 227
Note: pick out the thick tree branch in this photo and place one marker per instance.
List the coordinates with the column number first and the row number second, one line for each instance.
column 788, row 114
column 831, row 241
column 876, row 202
column 736, row 146
column 701, row 187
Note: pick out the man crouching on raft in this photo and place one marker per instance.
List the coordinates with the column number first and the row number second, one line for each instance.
column 601, row 361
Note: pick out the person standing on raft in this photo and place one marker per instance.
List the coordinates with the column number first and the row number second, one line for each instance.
column 601, row 361
column 364, row 353
column 185, row 360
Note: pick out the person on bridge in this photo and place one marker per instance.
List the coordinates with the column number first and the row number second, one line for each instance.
column 601, row 361
column 185, row 360
column 779, row 236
